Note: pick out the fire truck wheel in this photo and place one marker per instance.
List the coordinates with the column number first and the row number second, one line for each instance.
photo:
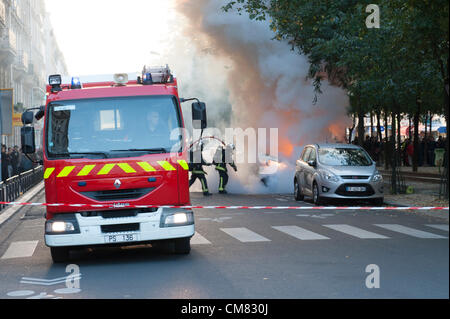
column 182, row 246
column 59, row 254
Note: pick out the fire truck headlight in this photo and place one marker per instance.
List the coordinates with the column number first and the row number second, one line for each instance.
column 59, row 227
column 177, row 219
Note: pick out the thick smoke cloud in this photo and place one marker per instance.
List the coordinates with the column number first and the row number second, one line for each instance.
column 250, row 80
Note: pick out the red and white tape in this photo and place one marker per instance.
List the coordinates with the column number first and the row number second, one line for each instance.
column 226, row 207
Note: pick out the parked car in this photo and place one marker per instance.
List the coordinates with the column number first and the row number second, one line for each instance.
column 326, row 171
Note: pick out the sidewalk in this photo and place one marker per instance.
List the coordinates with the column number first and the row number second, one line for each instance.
column 425, row 195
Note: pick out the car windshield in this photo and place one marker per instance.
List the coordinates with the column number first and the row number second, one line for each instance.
column 107, row 127
column 344, row 157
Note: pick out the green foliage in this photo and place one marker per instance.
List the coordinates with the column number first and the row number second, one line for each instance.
column 386, row 69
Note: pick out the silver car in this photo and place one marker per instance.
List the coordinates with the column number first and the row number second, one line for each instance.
column 337, row 171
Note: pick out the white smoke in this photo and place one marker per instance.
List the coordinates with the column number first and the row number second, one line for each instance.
column 250, row 80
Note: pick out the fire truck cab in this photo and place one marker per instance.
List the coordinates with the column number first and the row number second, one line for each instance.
column 113, row 145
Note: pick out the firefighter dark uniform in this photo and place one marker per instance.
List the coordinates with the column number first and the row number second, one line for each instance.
column 198, row 172
column 221, row 160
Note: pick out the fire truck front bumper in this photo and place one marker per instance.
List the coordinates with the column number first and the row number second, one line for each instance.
column 118, row 227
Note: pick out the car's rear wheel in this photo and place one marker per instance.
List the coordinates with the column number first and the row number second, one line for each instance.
column 297, row 191
column 60, row 254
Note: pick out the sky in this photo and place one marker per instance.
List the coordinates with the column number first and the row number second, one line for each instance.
column 110, row 36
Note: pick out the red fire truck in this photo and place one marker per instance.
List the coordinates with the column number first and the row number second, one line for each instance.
column 117, row 141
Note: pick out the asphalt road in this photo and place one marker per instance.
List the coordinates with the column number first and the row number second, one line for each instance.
column 241, row 254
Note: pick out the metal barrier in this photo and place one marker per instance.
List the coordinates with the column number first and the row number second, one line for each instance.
column 18, row 185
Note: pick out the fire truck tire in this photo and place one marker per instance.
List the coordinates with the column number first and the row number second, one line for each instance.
column 182, row 246
column 59, row 254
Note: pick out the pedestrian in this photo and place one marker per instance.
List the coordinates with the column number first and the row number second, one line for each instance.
column 410, row 153
column 15, row 160
column 223, row 157
column 196, row 167
column 5, row 161
column 430, row 150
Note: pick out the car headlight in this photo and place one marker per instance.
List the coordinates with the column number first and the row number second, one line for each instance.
column 377, row 177
column 330, row 177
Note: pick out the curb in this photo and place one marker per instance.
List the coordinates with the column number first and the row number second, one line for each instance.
column 10, row 211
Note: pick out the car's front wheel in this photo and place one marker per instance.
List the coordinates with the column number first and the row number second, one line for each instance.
column 297, row 191
column 316, row 195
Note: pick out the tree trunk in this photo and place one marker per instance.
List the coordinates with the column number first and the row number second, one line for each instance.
column 351, row 129
column 371, row 124
column 399, row 141
column 361, row 131
column 386, row 142
column 409, row 128
column 379, row 136
column 416, row 137
column 425, row 144
column 393, row 157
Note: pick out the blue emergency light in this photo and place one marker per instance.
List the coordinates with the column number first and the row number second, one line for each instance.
column 76, row 83
column 147, row 79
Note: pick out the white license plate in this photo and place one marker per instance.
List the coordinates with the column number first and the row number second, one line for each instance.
column 356, row 189
column 122, row 238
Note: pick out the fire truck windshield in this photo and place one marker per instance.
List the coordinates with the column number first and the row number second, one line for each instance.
column 111, row 127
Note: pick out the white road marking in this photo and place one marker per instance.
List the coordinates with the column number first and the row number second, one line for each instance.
column 244, row 235
column 439, row 226
column 299, row 232
column 20, row 249
column 356, row 232
column 198, row 239
column 409, row 231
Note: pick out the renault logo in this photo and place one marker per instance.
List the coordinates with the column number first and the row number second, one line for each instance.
column 117, row 183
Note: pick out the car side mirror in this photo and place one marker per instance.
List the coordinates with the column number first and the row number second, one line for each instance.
column 312, row 163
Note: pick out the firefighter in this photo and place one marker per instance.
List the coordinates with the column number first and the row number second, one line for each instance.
column 223, row 157
column 197, row 170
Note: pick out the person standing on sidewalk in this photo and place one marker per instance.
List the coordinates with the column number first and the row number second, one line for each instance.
column 5, row 163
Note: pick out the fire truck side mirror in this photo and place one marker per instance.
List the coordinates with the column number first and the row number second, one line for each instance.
column 27, row 117
column 199, row 115
column 28, row 139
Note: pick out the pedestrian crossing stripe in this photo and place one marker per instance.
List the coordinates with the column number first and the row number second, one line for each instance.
column 22, row 249
column 106, row 169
